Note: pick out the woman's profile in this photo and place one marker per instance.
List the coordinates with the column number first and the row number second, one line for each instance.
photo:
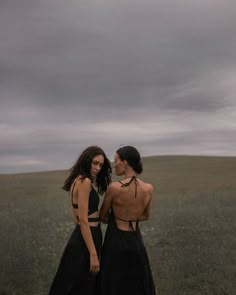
column 125, row 267
column 80, row 260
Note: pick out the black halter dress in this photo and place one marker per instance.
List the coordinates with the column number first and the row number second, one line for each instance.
column 125, row 267
column 73, row 276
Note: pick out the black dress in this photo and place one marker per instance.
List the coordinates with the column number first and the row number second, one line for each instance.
column 73, row 276
column 125, row 268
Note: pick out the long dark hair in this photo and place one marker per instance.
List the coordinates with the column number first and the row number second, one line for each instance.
column 83, row 165
column 132, row 156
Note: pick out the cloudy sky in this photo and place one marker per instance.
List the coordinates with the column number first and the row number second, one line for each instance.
column 160, row 75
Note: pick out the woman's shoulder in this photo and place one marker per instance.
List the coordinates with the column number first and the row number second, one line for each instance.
column 147, row 186
column 83, row 182
column 114, row 186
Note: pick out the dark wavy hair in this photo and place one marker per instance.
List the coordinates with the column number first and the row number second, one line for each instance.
column 132, row 156
column 83, row 165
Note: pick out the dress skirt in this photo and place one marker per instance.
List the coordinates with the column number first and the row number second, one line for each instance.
column 73, row 275
column 125, row 268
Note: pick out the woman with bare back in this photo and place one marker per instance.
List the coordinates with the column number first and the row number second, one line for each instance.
column 76, row 274
column 125, row 267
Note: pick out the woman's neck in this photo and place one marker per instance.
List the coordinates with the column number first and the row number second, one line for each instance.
column 130, row 174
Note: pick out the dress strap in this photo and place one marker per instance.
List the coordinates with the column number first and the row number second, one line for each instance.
column 74, row 205
column 93, row 219
column 133, row 178
column 129, row 221
column 90, row 219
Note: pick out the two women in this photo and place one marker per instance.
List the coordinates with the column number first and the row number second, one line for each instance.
column 124, row 265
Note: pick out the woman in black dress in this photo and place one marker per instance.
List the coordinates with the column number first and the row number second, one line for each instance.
column 79, row 264
column 125, row 268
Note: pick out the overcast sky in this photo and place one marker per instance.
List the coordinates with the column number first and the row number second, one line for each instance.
column 160, row 75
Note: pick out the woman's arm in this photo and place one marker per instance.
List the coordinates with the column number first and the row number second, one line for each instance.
column 106, row 204
column 83, row 189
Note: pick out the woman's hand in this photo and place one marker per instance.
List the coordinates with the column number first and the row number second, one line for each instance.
column 94, row 264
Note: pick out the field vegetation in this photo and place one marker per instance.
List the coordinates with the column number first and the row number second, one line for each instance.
column 190, row 237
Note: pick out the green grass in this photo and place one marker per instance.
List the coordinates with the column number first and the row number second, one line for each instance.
column 190, row 237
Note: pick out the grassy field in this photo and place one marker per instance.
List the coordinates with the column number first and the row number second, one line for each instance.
column 190, row 238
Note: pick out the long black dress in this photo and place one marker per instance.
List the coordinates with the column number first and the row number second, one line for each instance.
column 125, row 268
column 73, row 276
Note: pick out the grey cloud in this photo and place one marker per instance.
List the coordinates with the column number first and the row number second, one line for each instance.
column 108, row 61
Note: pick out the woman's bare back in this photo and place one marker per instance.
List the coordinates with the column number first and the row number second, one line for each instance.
column 131, row 202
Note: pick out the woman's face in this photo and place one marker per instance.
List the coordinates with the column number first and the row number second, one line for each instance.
column 96, row 165
column 119, row 165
